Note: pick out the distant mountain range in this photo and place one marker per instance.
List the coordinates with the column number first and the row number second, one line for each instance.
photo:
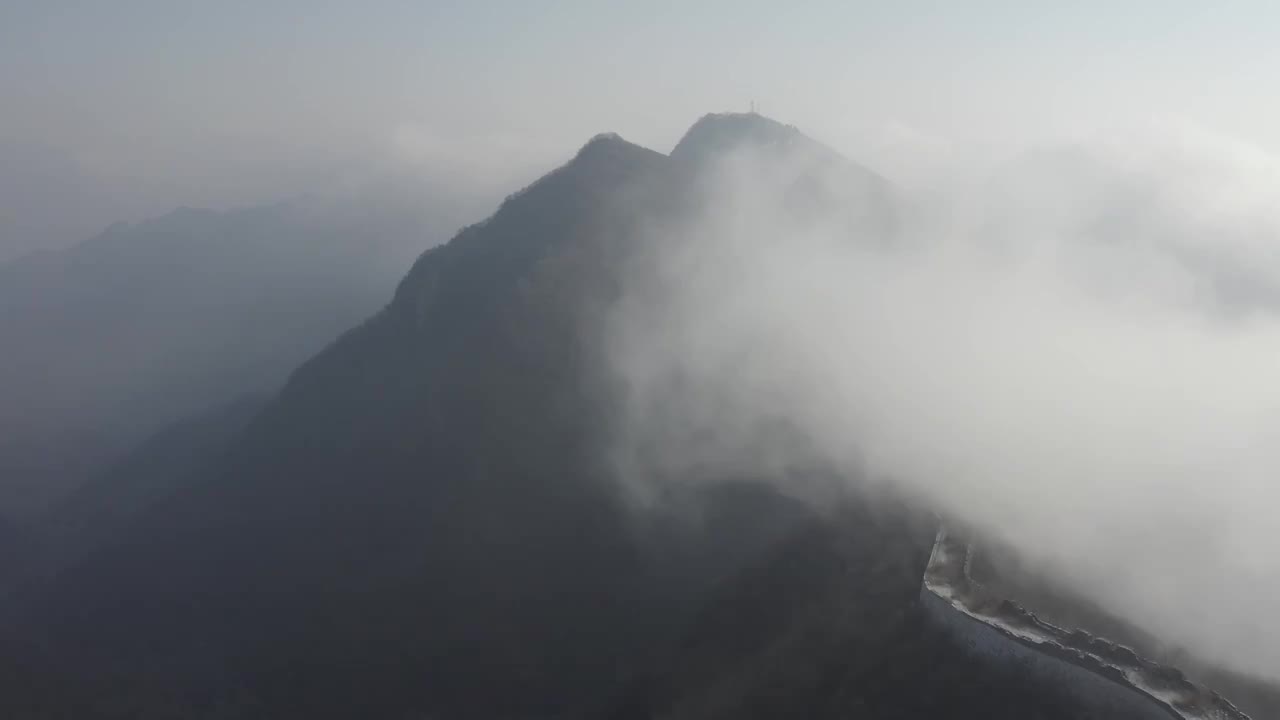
column 107, row 342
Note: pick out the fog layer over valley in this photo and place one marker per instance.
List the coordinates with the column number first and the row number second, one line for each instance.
column 1075, row 353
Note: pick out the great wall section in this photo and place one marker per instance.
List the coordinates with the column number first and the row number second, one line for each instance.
column 1102, row 675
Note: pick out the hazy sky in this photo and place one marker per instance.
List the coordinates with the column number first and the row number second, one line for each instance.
column 113, row 110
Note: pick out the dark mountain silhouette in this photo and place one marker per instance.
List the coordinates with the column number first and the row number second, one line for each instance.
column 424, row 519
column 109, row 341
column 425, row 522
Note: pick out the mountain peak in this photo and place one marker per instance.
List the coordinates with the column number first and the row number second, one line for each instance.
column 718, row 132
column 607, row 146
column 605, row 160
column 604, row 138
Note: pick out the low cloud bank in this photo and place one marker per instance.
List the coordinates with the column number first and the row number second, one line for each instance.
column 1077, row 352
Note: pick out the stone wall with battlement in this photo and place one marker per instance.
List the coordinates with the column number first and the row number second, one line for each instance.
column 1105, row 677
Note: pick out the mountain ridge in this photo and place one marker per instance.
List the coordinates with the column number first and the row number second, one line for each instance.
column 426, row 498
